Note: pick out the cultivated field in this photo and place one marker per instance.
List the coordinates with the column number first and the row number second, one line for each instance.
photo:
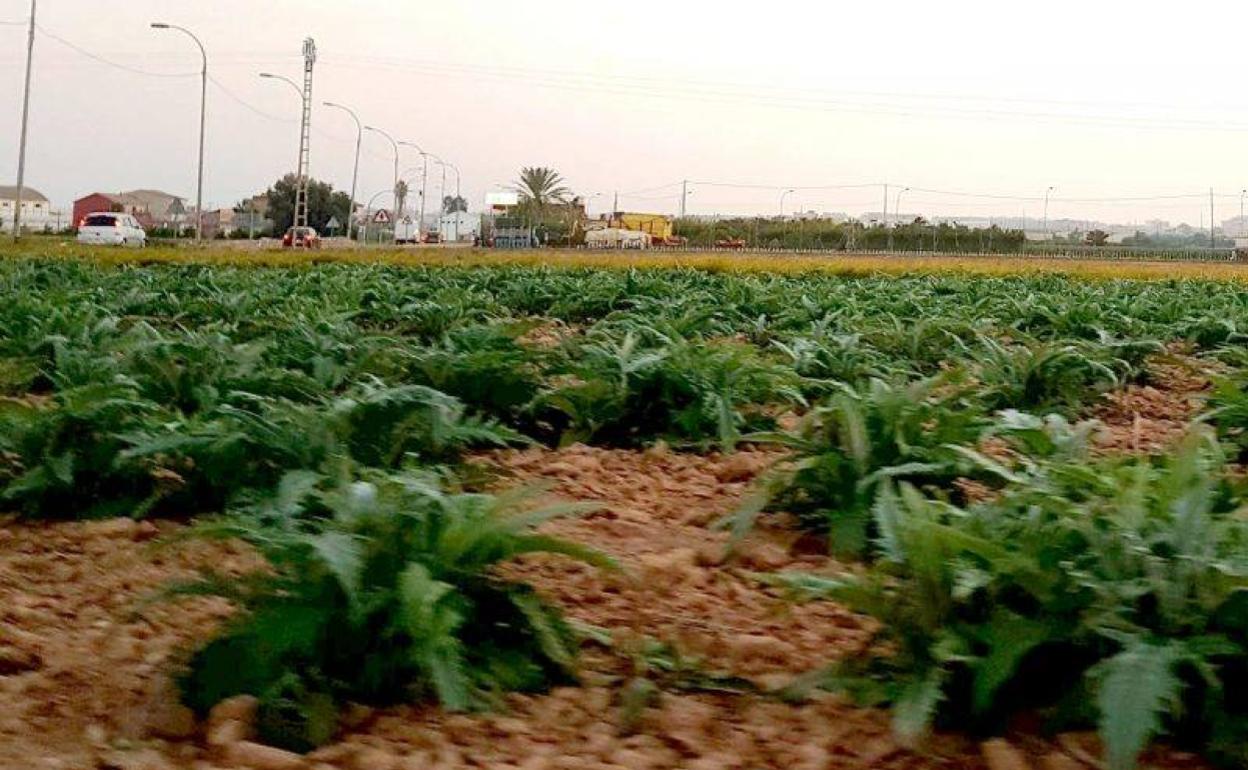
column 439, row 509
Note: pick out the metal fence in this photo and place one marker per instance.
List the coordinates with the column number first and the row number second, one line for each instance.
column 1036, row 251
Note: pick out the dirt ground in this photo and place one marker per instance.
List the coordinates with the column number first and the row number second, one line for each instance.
column 1150, row 417
column 85, row 658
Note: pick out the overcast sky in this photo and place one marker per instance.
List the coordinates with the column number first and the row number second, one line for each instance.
column 1096, row 99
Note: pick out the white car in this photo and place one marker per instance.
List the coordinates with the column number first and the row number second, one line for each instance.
column 110, row 229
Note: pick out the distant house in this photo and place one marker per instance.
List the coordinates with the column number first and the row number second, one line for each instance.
column 36, row 211
column 221, row 222
column 153, row 208
column 459, row 226
column 512, row 233
column 658, row 226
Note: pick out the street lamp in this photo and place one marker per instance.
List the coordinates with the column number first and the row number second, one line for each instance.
column 783, row 219
column 441, row 189
column 783, row 195
column 442, row 184
column 298, row 90
column 897, row 215
column 355, row 170
column 455, row 222
column 1046, row 212
column 1243, row 229
column 456, row 170
column 368, row 208
column 203, row 107
column 897, row 204
column 424, row 179
column 395, row 145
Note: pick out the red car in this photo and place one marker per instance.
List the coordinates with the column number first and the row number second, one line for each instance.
column 301, row 238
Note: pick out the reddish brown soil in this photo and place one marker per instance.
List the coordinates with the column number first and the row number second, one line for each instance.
column 1151, row 418
column 84, row 663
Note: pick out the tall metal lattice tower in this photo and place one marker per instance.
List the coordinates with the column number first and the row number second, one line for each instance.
column 305, row 135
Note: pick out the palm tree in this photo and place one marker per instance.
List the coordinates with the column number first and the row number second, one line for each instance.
column 539, row 187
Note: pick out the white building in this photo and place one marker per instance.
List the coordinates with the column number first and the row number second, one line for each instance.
column 616, row 238
column 459, row 226
column 36, row 211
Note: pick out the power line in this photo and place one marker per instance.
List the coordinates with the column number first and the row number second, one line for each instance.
column 288, row 121
column 667, row 80
column 598, row 84
column 109, row 62
column 787, row 187
column 632, row 193
column 246, row 104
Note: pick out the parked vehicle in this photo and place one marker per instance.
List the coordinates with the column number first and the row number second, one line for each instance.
column 301, row 238
column 730, row 243
column 111, row 229
column 432, row 237
column 407, row 231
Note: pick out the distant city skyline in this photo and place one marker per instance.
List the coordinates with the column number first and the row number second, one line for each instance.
column 968, row 97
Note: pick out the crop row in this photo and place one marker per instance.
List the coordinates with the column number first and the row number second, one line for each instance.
column 321, row 413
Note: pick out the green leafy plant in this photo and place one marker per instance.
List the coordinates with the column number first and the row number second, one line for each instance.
column 1112, row 593
column 61, row 453
column 848, row 446
column 1038, row 376
column 377, row 591
column 689, row 391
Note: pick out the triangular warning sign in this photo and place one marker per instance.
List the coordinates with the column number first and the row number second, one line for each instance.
column 382, row 216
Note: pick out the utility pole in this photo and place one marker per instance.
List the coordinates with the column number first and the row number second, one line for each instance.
column 1213, row 244
column 615, row 209
column 21, row 151
column 886, row 204
column 684, row 194
column 1046, row 213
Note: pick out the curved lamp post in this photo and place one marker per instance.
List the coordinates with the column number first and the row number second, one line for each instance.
column 395, row 145
column 203, row 106
column 355, row 169
column 1046, row 212
column 424, row 181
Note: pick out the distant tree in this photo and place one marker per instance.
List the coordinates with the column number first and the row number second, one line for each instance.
column 539, row 188
column 324, row 203
column 400, row 196
column 1096, row 238
column 454, row 203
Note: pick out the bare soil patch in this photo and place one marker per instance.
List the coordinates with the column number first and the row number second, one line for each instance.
column 1151, row 418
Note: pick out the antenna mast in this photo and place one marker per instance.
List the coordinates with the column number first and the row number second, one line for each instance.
column 305, row 135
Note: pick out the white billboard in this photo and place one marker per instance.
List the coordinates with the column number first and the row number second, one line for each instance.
column 496, row 201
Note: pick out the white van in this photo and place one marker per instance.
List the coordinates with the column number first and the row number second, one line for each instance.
column 110, row 229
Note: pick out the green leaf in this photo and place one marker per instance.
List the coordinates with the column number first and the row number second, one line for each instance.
column 553, row 636
column 1135, row 688
column 343, row 555
column 1009, row 638
column 915, row 707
